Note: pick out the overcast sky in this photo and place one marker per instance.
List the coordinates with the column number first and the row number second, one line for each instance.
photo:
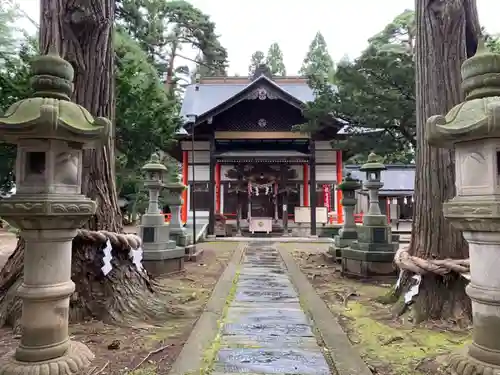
column 249, row 25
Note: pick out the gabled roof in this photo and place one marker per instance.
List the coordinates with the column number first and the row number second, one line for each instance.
column 203, row 98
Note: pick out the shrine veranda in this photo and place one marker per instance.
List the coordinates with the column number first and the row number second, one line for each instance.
column 247, row 156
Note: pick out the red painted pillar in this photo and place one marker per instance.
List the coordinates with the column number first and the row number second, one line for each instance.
column 338, row 166
column 306, row 185
column 217, row 188
column 184, row 210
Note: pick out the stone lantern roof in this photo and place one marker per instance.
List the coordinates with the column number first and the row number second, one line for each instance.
column 349, row 183
column 49, row 113
column 373, row 164
column 154, row 165
column 476, row 117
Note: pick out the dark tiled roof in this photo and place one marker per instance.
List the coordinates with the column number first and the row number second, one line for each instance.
column 210, row 95
column 399, row 179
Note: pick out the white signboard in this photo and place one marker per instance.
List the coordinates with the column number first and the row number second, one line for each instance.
column 303, row 215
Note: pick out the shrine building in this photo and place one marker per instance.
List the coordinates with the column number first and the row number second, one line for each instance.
column 250, row 167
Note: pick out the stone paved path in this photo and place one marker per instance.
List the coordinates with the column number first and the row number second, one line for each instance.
column 265, row 330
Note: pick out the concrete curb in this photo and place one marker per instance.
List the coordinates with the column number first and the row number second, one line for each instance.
column 190, row 359
column 346, row 359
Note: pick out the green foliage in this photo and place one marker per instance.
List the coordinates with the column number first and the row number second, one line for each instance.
column 318, row 61
column 146, row 117
column 274, row 60
column 163, row 28
column 374, row 95
column 493, row 42
column 16, row 53
column 258, row 58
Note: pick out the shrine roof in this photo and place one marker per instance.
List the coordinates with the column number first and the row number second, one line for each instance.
column 398, row 179
column 199, row 98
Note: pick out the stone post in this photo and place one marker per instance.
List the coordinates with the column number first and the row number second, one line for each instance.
column 161, row 256
column 349, row 230
column 50, row 132
column 373, row 252
column 175, row 188
column 472, row 129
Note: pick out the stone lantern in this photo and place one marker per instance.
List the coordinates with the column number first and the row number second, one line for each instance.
column 472, row 129
column 50, row 132
column 161, row 256
column 373, row 169
column 373, row 252
column 348, row 232
column 175, row 188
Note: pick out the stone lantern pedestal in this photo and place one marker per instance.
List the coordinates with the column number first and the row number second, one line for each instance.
column 178, row 232
column 349, row 231
column 373, row 252
column 472, row 129
column 161, row 255
column 50, row 132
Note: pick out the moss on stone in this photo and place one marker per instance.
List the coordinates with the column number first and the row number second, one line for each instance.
column 211, row 352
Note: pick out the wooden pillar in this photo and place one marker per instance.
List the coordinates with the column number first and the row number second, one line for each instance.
column 338, row 167
column 184, row 212
column 211, row 191
column 312, row 179
column 305, row 191
column 217, row 188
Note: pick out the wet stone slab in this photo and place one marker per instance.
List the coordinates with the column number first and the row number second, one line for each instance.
column 269, row 329
column 267, row 283
column 271, row 361
column 268, row 305
column 245, row 315
column 261, row 341
column 263, row 271
column 266, row 295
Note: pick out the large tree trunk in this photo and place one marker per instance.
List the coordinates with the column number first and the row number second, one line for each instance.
column 447, row 33
column 81, row 32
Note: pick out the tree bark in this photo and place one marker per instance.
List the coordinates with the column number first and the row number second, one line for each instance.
column 447, row 32
column 81, row 32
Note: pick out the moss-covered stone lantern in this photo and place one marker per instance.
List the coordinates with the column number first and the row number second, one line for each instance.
column 50, row 132
column 175, row 188
column 348, row 232
column 373, row 252
column 155, row 171
column 472, row 129
column 161, row 255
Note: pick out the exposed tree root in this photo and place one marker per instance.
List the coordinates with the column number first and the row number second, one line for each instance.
column 440, row 298
column 125, row 296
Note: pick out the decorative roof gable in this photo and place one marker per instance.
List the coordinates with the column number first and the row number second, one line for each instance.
column 207, row 99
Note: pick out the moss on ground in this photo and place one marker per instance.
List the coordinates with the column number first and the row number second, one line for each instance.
column 403, row 348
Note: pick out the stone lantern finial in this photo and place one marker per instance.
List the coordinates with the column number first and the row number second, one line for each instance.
column 52, row 77
column 478, row 74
